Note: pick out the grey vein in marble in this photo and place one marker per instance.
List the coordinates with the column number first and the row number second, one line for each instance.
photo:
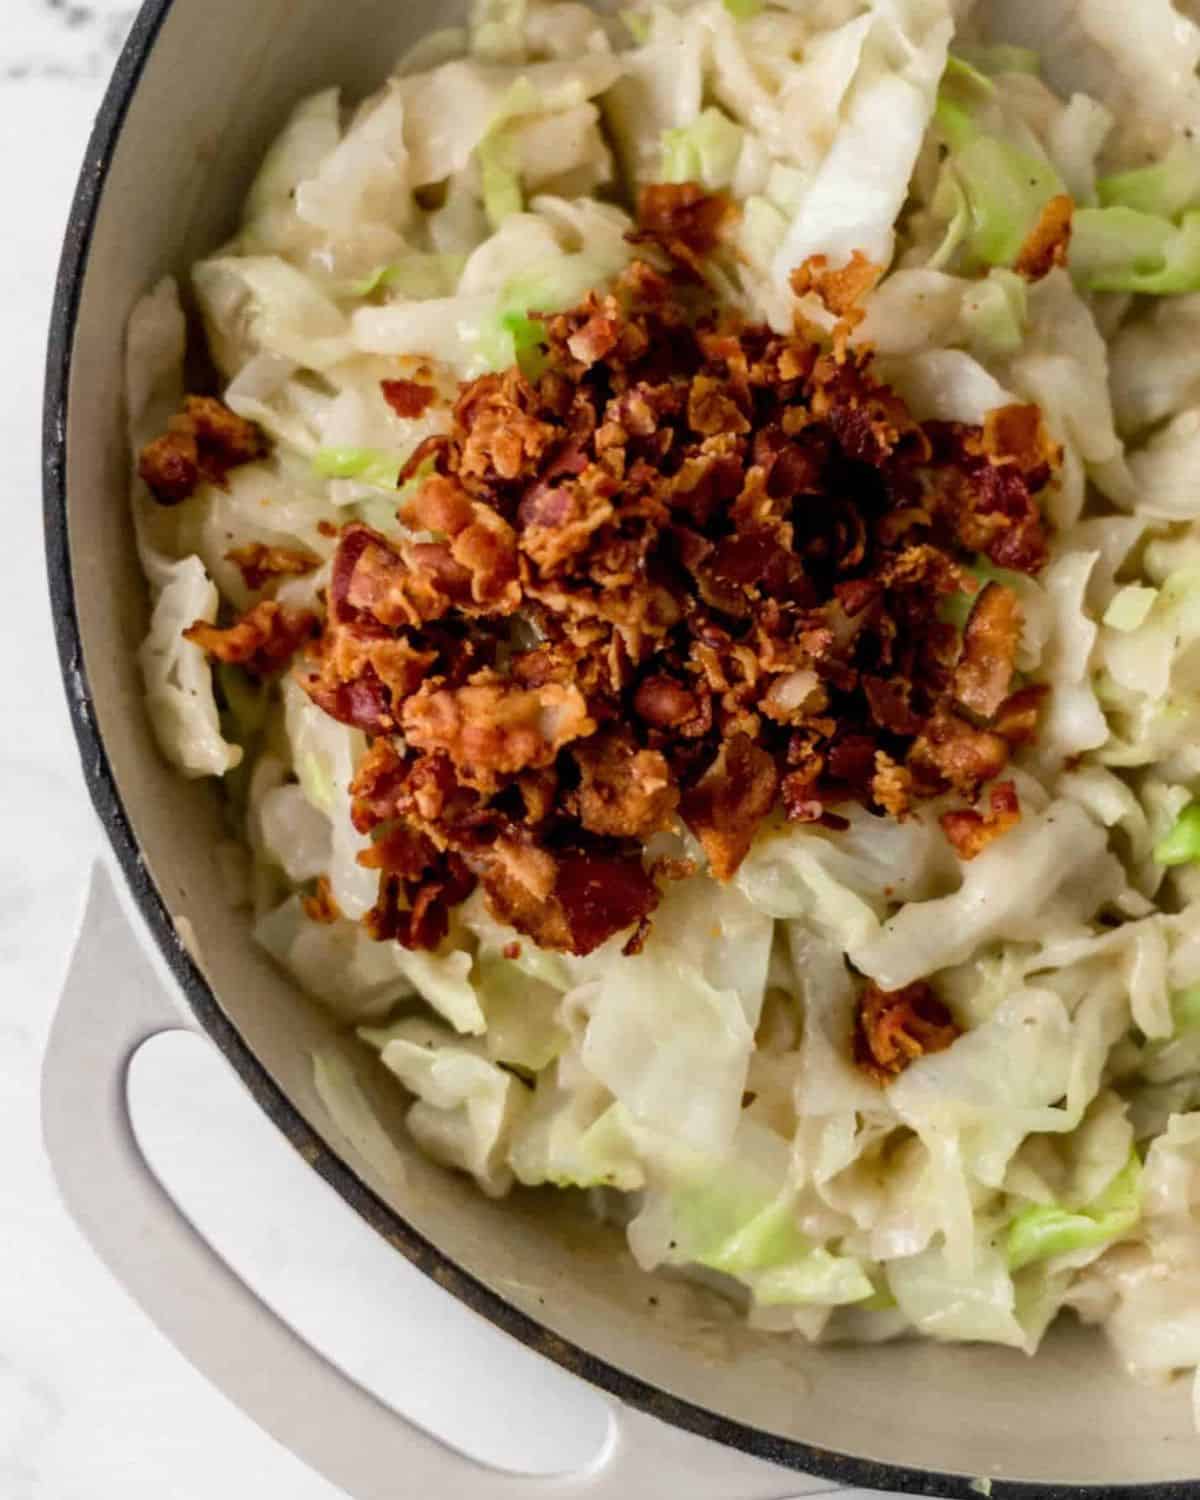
column 71, row 39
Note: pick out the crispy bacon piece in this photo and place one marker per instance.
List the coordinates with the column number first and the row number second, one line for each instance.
column 984, row 672
column 414, row 910
column 895, row 1027
column 730, row 800
column 869, row 420
column 682, row 218
column 983, row 491
column 892, row 785
column 1017, row 434
column 481, row 543
column 408, row 398
column 490, row 729
column 624, row 792
column 971, row 832
column 263, row 640
column 372, row 581
column 1049, row 240
column 258, row 563
column 572, row 902
column 952, row 752
column 840, row 288
column 597, row 337
column 360, row 673
column 321, row 906
column 1016, row 719
column 503, row 437
column 665, row 703
column 200, row 446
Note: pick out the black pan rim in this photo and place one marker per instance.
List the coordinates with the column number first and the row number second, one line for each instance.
column 106, row 798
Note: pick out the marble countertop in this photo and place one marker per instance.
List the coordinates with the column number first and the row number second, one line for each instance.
column 94, row 1403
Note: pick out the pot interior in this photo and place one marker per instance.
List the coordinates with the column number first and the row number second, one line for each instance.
column 218, row 84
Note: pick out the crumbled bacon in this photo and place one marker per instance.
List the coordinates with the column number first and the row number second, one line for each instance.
column 891, row 785
column 971, row 831
column 895, row 1027
column 725, row 807
column 984, row 672
column 624, row 792
column 840, row 288
column 263, row 640
column 683, row 219
column 952, row 752
column 414, row 909
column 200, row 446
column 1049, row 240
column 692, row 570
column 491, row 729
column 258, row 563
column 321, row 905
column 572, row 901
column 1017, row 434
column 408, row 398
column 1016, row 719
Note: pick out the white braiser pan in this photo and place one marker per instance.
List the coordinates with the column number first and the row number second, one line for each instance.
column 202, row 88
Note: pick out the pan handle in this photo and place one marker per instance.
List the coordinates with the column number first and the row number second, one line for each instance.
column 223, row 1329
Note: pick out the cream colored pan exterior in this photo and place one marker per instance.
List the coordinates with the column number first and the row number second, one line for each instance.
column 201, row 91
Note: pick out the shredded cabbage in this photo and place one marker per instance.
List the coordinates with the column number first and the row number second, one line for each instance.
column 178, row 679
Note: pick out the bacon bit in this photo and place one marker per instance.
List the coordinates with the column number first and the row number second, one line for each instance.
column 400, row 851
column 262, row 640
column 482, row 544
column 416, row 912
column 693, row 570
column 953, row 753
column 665, row 703
column 624, row 792
column 637, row 941
column 502, row 438
column 840, row 289
column 985, row 669
column 971, row 832
column 683, row 219
column 1017, row 434
column 572, row 902
column 408, row 398
column 511, row 950
column 258, row 563
column 730, row 800
column 890, row 707
column 327, row 528
column 380, row 787
column 490, row 729
column 200, row 446
column 597, row 337
column 988, row 505
column 1049, row 240
column 892, row 785
column 1016, row 719
column 321, row 905
column 895, row 1027
column 601, row 896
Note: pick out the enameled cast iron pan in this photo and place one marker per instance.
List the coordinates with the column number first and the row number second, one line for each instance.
column 200, row 91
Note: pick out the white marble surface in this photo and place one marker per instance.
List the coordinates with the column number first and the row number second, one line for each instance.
column 94, row 1404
